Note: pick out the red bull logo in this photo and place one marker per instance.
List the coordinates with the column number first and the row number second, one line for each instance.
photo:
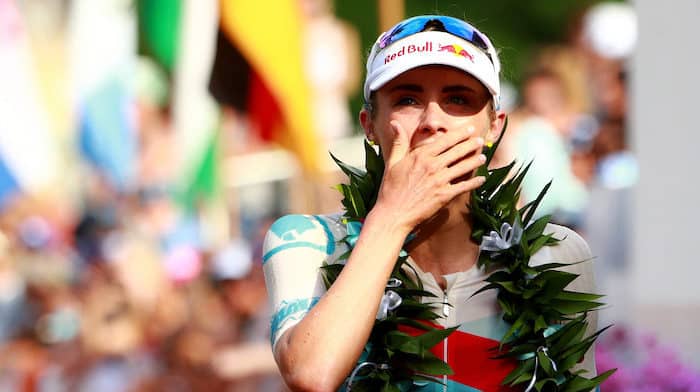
column 457, row 50
column 426, row 47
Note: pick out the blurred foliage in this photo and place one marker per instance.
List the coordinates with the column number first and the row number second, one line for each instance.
column 517, row 28
column 158, row 24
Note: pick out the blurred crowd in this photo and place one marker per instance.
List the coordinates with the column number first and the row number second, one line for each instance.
column 112, row 276
column 571, row 117
column 103, row 302
column 113, row 288
column 571, row 124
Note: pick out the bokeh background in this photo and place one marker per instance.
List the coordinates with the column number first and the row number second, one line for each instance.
column 147, row 145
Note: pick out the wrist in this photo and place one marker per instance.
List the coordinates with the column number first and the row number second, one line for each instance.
column 389, row 220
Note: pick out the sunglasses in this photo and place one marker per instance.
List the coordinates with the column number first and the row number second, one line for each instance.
column 454, row 26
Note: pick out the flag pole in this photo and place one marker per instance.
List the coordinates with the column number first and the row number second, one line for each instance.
column 390, row 12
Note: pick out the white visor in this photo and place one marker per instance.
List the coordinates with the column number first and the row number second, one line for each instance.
column 426, row 48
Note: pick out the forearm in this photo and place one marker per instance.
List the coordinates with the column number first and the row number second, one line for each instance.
column 321, row 350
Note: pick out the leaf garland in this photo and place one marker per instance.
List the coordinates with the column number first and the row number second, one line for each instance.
column 548, row 323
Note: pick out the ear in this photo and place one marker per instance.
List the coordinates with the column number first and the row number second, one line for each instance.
column 367, row 124
column 497, row 122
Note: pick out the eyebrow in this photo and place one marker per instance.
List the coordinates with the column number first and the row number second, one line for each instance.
column 417, row 88
column 457, row 88
column 408, row 87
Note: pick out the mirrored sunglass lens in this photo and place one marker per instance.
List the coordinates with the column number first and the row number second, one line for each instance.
column 403, row 30
column 458, row 28
column 452, row 25
column 479, row 42
column 468, row 32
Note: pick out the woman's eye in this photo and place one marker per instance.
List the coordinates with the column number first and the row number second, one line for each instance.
column 406, row 101
column 458, row 100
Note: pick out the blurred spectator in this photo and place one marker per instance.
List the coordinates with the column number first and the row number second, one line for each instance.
column 238, row 273
column 332, row 66
column 540, row 132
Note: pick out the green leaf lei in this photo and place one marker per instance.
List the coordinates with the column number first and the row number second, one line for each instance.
column 548, row 323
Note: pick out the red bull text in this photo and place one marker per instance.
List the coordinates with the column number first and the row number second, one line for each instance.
column 428, row 47
column 408, row 49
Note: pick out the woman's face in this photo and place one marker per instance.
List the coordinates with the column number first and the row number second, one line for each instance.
column 428, row 102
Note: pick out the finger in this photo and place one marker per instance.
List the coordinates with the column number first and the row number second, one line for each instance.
column 447, row 140
column 460, row 151
column 464, row 167
column 400, row 145
column 466, row 186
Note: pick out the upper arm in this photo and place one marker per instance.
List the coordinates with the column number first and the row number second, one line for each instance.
column 295, row 248
column 574, row 249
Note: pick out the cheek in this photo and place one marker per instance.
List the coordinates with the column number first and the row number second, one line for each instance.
column 384, row 133
column 486, row 127
column 481, row 125
column 484, row 122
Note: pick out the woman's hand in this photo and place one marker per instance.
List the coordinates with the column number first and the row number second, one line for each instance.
column 419, row 182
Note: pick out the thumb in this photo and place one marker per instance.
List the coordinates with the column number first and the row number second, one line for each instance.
column 399, row 147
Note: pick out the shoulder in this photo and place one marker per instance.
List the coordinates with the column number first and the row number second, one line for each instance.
column 311, row 232
column 295, row 248
column 571, row 244
column 571, row 249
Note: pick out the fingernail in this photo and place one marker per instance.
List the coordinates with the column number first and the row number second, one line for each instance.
column 482, row 158
column 480, row 141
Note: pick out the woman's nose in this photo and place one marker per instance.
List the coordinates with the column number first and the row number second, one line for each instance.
column 432, row 119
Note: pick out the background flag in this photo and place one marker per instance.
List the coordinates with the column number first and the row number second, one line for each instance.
column 276, row 94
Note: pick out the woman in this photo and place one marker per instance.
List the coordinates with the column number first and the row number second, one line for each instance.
column 432, row 92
